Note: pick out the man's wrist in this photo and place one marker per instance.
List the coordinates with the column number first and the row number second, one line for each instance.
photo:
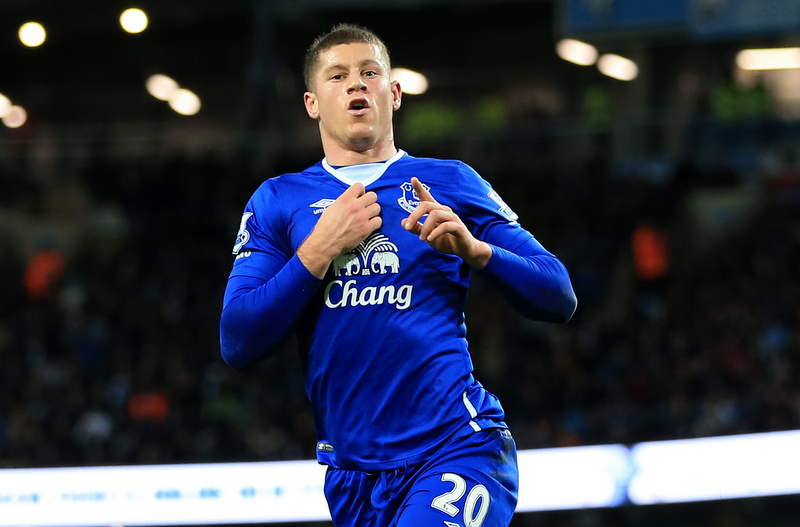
column 314, row 257
column 480, row 255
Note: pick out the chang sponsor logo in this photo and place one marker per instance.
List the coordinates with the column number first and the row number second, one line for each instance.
column 376, row 255
column 344, row 294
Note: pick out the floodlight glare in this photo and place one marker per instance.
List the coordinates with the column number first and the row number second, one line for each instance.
column 5, row 105
column 768, row 59
column 185, row 102
column 411, row 82
column 133, row 20
column 32, row 34
column 16, row 117
column 577, row 52
column 618, row 67
column 161, row 87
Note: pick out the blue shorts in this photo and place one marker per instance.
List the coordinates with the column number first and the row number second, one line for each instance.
column 471, row 482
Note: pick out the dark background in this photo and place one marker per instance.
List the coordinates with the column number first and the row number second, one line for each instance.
column 117, row 216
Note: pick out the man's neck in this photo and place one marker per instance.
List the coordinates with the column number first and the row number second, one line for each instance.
column 338, row 155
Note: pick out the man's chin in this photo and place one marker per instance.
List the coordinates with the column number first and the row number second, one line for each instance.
column 362, row 138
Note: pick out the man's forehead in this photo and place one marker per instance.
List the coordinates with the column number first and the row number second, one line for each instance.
column 359, row 53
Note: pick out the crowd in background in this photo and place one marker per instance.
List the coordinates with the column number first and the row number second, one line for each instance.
column 109, row 352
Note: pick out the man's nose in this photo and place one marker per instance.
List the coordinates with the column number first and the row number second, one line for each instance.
column 356, row 84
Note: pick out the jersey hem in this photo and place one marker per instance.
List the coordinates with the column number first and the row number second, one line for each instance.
column 328, row 457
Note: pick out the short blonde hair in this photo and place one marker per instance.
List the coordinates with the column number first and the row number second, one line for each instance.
column 340, row 34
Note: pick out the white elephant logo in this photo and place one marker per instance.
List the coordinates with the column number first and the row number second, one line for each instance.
column 383, row 262
column 350, row 263
column 374, row 255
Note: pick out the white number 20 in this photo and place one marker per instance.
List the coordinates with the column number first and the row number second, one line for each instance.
column 479, row 493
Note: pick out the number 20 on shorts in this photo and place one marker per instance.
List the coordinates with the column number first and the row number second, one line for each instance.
column 475, row 506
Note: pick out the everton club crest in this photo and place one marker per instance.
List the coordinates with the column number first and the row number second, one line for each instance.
column 409, row 199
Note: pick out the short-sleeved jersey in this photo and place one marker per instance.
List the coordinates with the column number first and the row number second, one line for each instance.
column 383, row 338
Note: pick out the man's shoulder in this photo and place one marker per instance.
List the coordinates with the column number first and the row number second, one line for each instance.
column 446, row 172
column 311, row 176
column 433, row 163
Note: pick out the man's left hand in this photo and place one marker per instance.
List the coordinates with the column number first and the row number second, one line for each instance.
column 443, row 230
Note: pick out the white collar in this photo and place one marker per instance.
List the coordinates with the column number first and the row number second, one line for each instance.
column 365, row 173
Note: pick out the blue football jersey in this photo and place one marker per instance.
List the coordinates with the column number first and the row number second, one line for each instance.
column 383, row 335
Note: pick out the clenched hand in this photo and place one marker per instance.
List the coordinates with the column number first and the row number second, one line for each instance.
column 345, row 223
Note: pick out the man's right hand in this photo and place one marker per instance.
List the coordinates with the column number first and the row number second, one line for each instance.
column 345, row 223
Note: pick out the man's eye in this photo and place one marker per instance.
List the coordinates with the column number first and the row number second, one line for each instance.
column 337, row 77
column 370, row 73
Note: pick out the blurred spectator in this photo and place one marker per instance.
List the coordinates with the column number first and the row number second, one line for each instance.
column 43, row 273
column 650, row 253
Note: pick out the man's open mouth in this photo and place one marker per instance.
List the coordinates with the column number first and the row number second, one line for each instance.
column 358, row 106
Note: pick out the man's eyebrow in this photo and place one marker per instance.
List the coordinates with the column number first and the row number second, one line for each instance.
column 370, row 62
column 341, row 66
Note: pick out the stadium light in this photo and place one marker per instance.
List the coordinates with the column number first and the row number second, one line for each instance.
column 133, row 20
column 161, row 86
column 185, row 102
column 32, row 34
column 16, row 117
column 5, row 105
column 676, row 471
column 715, row 468
column 618, row 67
column 576, row 52
column 411, row 82
column 164, row 88
column 768, row 59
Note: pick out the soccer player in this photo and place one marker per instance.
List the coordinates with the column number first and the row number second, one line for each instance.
column 367, row 257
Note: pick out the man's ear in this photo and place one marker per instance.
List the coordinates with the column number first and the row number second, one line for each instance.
column 312, row 104
column 397, row 95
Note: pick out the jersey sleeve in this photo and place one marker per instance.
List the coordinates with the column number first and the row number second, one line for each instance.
column 529, row 277
column 268, row 286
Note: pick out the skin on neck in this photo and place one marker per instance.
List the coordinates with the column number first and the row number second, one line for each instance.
column 355, row 152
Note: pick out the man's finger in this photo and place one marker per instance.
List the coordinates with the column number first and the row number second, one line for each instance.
column 373, row 210
column 422, row 192
column 421, row 210
column 356, row 189
column 435, row 219
column 447, row 227
column 368, row 197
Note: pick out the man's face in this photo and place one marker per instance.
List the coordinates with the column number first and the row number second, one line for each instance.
column 353, row 96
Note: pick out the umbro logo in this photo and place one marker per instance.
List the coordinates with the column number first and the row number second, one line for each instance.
column 320, row 206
